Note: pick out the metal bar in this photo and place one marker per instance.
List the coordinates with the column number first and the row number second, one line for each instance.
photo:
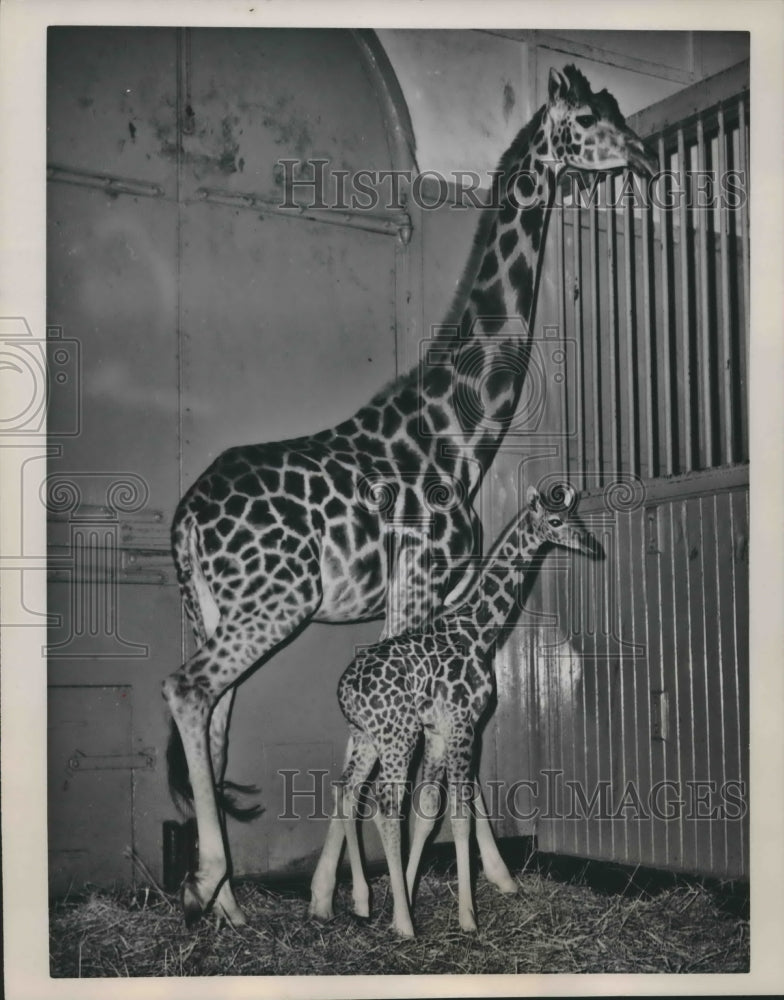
column 724, row 277
column 667, row 423
column 105, row 182
column 707, row 669
column 595, row 336
column 578, row 333
column 647, row 280
column 678, row 110
column 744, row 219
column 560, row 233
column 621, row 60
column 395, row 224
column 632, row 415
column 612, row 307
column 706, row 451
column 720, row 614
column 684, row 332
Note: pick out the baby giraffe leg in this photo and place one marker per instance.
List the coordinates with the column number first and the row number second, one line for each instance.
column 461, row 829
column 387, row 817
column 492, row 862
column 460, row 744
column 426, row 807
column 364, row 758
column 360, row 757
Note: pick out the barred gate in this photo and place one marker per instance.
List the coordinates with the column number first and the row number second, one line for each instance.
column 647, row 706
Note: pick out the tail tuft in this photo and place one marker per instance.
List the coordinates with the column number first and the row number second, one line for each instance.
column 177, row 767
column 182, row 792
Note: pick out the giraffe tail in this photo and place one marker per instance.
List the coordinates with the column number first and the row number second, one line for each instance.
column 184, row 552
column 182, row 793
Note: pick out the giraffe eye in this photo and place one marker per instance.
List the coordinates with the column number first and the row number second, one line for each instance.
column 555, row 522
column 585, row 121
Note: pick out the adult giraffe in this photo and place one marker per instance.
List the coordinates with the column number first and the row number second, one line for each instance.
column 272, row 536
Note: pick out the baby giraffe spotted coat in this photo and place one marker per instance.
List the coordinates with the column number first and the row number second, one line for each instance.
column 438, row 682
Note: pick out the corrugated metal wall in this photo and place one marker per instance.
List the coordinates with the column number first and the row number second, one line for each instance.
column 634, row 701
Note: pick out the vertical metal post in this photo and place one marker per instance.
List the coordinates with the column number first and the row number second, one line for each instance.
column 598, row 458
column 744, row 218
column 561, row 292
column 724, row 277
column 664, row 231
column 686, row 402
column 612, row 313
column 577, row 296
column 632, row 375
column 647, row 281
column 706, row 451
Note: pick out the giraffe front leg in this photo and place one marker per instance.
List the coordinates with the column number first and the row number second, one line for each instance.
column 492, row 863
column 460, row 743
column 461, row 830
column 322, row 886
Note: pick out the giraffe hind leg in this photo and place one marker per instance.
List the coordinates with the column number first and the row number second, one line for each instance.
column 426, row 806
column 388, row 815
column 191, row 694
column 359, row 761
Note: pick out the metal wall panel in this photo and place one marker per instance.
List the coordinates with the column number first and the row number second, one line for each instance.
column 202, row 317
column 645, row 707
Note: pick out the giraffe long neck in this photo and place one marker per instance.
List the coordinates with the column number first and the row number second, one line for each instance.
column 453, row 410
column 495, row 600
column 489, row 351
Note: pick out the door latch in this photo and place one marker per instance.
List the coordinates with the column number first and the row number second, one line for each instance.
column 144, row 760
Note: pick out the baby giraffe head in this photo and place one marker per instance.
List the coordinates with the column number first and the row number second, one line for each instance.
column 588, row 131
column 561, row 527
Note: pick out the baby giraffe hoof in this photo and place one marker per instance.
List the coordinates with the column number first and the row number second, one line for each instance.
column 468, row 924
column 320, row 911
column 507, row 888
column 404, row 930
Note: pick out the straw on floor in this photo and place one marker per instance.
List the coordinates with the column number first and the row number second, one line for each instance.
column 547, row 927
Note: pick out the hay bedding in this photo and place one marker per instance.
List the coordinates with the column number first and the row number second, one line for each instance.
column 548, row 927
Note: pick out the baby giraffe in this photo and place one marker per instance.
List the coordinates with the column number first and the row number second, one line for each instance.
column 438, row 682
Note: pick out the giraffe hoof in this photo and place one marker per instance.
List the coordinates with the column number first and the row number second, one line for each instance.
column 319, row 911
column 234, row 920
column 192, row 908
column 360, row 919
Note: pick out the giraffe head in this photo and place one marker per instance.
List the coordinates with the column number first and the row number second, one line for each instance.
column 560, row 527
column 588, row 131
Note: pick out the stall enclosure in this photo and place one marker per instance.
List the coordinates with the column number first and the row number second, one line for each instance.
column 187, row 313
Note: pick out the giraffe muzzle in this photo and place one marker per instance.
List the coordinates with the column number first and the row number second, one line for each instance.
column 641, row 160
column 591, row 547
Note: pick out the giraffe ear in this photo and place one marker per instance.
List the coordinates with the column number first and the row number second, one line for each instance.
column 557, row 85
column 532, row 497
